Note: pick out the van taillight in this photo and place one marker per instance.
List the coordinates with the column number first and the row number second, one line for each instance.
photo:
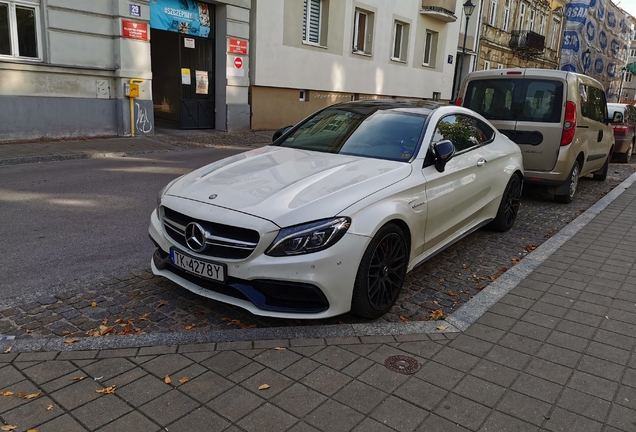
column 569, row 123
column 459, row 101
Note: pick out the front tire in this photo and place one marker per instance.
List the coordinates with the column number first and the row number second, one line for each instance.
column 572, row 182
column 381, row 273
column 509, row 206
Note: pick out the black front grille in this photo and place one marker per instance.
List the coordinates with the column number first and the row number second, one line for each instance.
column 236, row 242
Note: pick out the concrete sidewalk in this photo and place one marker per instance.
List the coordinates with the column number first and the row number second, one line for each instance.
column 547, row 346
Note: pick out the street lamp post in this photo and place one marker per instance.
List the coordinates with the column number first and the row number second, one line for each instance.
column 469, row 7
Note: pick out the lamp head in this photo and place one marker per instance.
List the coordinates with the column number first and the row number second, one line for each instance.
column 469, row 7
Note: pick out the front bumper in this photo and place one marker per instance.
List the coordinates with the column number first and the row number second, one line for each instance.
column 310, row 286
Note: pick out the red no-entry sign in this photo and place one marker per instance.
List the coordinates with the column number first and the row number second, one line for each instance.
column 238, row 63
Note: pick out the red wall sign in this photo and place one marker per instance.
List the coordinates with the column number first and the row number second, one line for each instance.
column 238, row 63
column 238, row 46
column 134, row 30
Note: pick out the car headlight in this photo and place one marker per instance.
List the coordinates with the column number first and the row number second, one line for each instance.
column 308, row 238
column 163, row 191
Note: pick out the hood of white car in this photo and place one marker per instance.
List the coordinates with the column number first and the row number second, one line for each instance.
column 289, row 186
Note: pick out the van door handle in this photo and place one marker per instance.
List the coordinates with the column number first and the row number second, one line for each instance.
column 600, row 135
column 481, row 162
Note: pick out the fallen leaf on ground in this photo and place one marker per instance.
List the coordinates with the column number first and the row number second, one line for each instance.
column 436, row 315
column 441, row 327
column 464, row 266
column 264, row 387
column 244, row 327
column 280, row 349
column 105, row 321
column 50, row 407
column 118, row 320
column 189, row 326
column 161, row 304
column 29, row 396
column 441, row 281
column 145, row 316
column 503, row 269
column 107, row 390
column 77, row 378
column 8, row 428
column 453, row 294
column 94, row 304
column 167, row 379
column 184, row 380
column 530, row 248
column 8, row 350
column 70, row 341
column 7, row 393
column 32, row 430
column 515, row 260
column 27, row 331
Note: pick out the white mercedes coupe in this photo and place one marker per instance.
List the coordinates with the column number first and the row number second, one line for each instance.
column 331, row 216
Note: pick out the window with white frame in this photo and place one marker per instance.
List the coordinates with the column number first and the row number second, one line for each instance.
column 500, row 66
column 19, row 30
column 531, row 20
column 555, row 33
column 628, row 77
column 522, row 14
column 632, row 52
column 541, row 24
column 506, row 16
column 400, row 40
column 430, row 48
column 362, row 31
column 311, row 21
column 492, row 17
column 486, row 65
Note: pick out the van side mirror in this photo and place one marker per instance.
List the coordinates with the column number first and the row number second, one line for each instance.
column 617, row 118
column 280, row 132
column 444, row 151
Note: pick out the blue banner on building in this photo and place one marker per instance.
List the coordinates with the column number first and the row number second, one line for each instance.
column 183, row 16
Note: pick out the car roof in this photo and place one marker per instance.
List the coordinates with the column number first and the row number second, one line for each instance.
column 424, row 107
column 617, row 105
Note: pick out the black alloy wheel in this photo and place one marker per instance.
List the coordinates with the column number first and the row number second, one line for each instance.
column 381, row 273
column 509, row 206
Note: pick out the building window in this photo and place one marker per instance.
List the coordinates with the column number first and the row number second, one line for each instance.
column 500, row 66
column 430, row 49
column 522, row 14
column 506, row 16
column 632, row 52
column 400, row 40
column 628, row 77
column 555, row 34
column 492, row 18
column 486, row 65
column 541, row 24
column 437, row 95
column 311, row 21
column 531, row 20
column 362, row 32
column 19, row 35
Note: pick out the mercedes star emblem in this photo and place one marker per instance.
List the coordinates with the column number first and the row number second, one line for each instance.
column 195, row 237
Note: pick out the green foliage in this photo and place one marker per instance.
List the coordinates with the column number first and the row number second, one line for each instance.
column 458, row 133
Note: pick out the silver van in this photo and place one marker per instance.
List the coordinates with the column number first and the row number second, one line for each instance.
column 559, row 120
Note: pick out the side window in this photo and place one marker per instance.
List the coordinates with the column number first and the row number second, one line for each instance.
column 632, row 114
column 596, row 104
column 585, row 100
column 463, row 131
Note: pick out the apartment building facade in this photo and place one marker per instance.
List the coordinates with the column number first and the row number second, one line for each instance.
column 628, row 93
column 520, row 33
column 67, row 66
column 308, row 54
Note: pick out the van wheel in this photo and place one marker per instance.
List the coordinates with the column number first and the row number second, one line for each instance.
column 509, row 206
column 602, row 174
column 571, row 182
column 625, row 157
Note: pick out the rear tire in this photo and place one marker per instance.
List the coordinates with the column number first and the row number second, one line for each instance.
column 602, row 174
column 572, row 182
column 509, row 206
column 381, row 273
column 625, row 157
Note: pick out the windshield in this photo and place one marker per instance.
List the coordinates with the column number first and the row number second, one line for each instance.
column 383, row 134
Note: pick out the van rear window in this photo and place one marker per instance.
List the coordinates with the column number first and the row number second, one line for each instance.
column 516, row 99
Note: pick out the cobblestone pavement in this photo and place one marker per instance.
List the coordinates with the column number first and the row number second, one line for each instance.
column 141, row 302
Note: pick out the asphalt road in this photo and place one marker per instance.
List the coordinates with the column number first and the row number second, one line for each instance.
column 66, row 224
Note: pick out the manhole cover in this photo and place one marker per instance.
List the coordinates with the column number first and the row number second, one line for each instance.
column 402, row 364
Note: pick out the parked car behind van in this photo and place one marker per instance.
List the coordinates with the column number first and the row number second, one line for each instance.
column 624, row 125
column 559, row 120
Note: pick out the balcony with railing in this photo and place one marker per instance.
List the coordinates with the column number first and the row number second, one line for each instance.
column 442, row 10
column 526, row 43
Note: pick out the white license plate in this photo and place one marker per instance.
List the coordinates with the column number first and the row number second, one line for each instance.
column 204, row 269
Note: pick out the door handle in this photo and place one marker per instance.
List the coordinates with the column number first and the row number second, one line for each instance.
column 600, row 135
column 481, row 162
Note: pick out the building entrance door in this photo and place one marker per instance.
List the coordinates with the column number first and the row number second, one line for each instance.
column 197, row 97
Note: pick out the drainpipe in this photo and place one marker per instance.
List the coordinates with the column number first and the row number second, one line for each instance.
column 132, row 93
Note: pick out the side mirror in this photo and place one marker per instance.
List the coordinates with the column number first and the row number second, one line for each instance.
column 617, row 118
column 444, row 151
column 280, row 132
